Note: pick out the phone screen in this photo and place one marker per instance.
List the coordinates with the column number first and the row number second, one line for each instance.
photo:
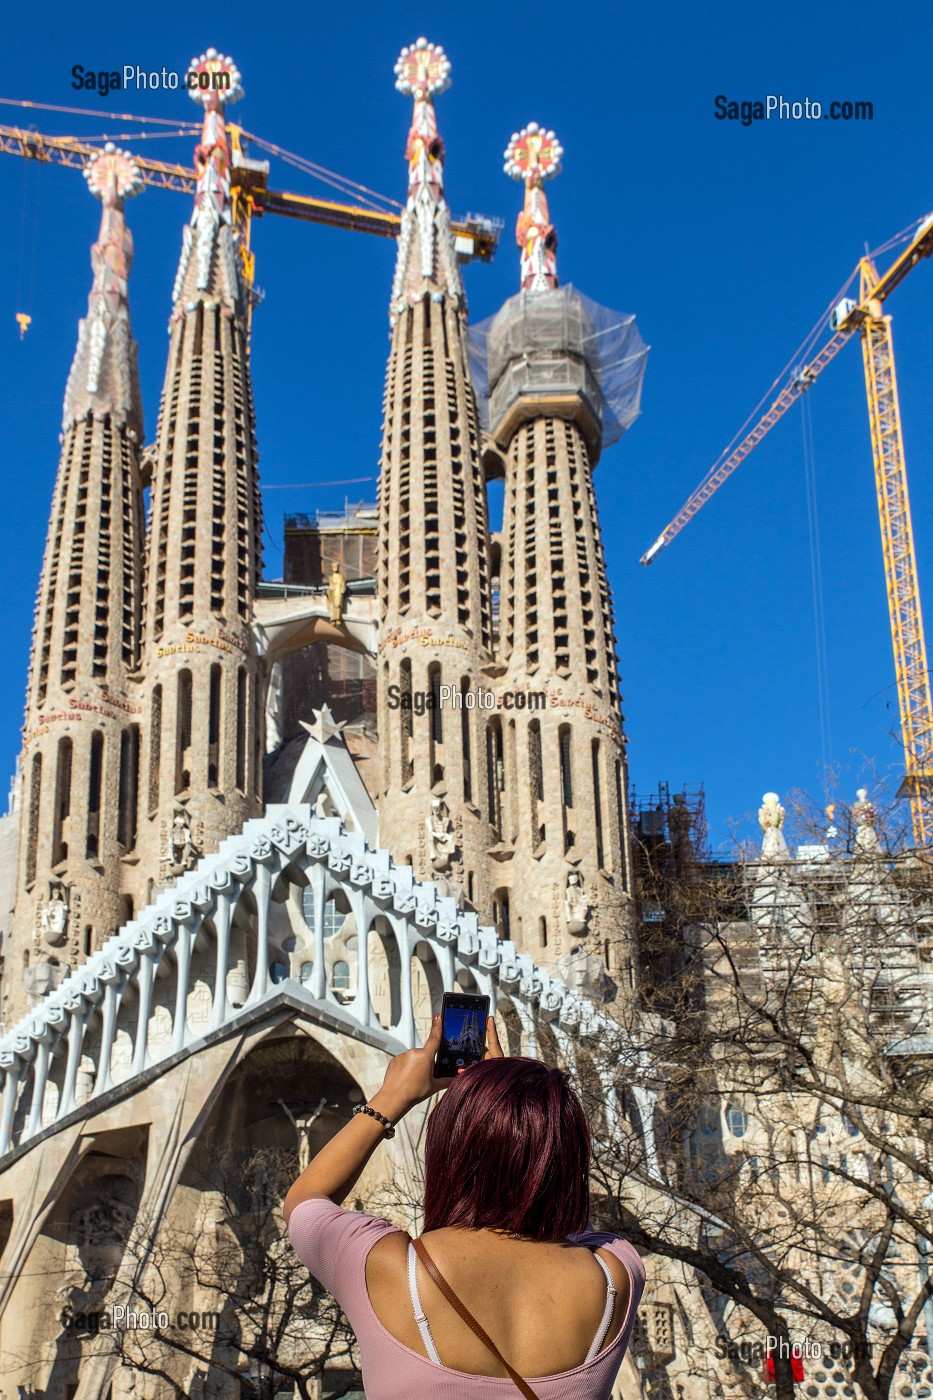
column 463, row 1032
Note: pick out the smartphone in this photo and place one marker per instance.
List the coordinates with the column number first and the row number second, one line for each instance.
column 463, row 1033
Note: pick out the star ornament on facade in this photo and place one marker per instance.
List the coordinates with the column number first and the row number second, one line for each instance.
column 323, row 726
column 217, row 78
column 533, row 154
column 113, row 174
column 422, row 70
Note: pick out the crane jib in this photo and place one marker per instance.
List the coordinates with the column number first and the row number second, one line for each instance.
column 907, row 635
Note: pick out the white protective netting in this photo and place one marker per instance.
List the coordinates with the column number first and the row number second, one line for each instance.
column 560, row 340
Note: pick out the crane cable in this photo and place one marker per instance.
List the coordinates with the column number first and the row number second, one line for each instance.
column 192, row 127
column 341, row 183
column 804, row 351
column 816, row 586
column 28, row 239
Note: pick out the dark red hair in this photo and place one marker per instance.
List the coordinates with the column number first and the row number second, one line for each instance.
column 508, row 1148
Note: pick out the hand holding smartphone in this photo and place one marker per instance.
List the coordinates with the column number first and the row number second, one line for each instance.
column 463, row 1032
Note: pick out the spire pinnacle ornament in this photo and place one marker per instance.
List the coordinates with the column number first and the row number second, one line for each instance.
column 112, row 175
column 103, row 376
column 218, row 80
column 422, row 71
column 534, row 155
column 214, row 83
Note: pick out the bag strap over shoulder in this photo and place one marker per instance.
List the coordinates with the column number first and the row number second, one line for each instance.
column 464, row 1312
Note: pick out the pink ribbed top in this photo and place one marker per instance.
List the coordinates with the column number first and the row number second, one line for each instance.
column 333, row 1244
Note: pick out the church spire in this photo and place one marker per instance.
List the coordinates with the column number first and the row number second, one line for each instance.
column 81, row 737
column 104, row 377
column 533, row 155
column 433, row 534
column 427, row 261
column 202, row 752
column 209, row 269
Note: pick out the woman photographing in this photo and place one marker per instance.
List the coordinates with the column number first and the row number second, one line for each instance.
column 508, row 1289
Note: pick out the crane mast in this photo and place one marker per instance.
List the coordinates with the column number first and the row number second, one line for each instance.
column 910, row 661
column 900, row 566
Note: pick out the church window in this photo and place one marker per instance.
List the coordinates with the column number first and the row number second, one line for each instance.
column 405, row 723
column 501, row 913
column 465, row 741
column 241, row 729
column 129, row 787
column 155, row 748
column 542, row 932
column 620, row 800
column 565, row 749
column 95, row 777
column 257, row 733
column 536, row 782
column 340, row 978
column 566, row 766
column 436, row 721
column 334, row 918
column 183, row 732
column 511, row 781
column 213, row 729
column 495, row 774
column 32, row 842
column 62, row 802
column 737, row 1121
column 598, row 807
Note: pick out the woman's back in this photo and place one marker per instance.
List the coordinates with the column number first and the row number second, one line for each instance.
column 542, row 1304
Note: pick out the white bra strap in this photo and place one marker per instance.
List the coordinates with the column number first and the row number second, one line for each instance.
column 609, row 1309
column 423, row 1325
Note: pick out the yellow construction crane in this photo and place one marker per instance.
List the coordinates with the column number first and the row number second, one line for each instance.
column 866, row 316
column 475, row 236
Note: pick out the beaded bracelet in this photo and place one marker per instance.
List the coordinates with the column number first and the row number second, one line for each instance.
column 380, row 1117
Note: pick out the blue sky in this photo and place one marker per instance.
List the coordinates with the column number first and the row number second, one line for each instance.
column 726, row 241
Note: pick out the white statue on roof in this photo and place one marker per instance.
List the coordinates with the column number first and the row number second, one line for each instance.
column 865, row 820
column 771, row 821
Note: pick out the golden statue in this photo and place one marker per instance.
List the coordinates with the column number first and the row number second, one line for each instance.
column 336, row 590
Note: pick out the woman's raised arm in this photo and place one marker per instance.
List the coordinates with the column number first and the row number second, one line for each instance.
column 409, row 1080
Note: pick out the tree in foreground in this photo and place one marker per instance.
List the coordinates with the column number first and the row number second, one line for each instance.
column 769, row 1120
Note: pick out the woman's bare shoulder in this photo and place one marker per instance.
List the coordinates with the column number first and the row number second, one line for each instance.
column 387, row 1253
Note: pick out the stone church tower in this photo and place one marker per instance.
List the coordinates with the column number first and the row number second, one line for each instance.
column 201, row 762
column 81, row 738
column 562, row 819
column 434, row 801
